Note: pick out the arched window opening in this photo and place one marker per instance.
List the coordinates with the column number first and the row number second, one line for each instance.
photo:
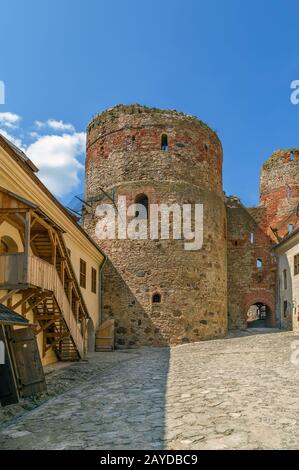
column 8, row 245
column 259, row 263
column 289, row 192
column 164, row 142
column 142, row 199
column 290, row 228
column 291, row 155
column 251, row 238
column 156, row 299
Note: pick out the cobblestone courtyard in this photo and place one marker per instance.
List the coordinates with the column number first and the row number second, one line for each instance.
column 237, row 393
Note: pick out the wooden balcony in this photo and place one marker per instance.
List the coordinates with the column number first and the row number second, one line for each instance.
column 18, row 271
column 43, row 274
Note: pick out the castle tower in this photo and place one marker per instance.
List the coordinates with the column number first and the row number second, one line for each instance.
column 279, row 191
column 158, row 292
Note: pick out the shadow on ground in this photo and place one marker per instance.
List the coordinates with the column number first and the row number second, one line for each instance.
column 121, row 407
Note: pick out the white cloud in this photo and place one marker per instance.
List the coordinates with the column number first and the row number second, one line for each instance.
column 39, row 124
column 60, row 125
column 9, row 120
column 55, row 125
column 34, row 135
column 56, row 156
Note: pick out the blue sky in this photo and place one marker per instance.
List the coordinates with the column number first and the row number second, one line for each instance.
column 228, row 62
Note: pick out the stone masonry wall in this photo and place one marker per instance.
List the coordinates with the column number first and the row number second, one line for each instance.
column 124, row 158
column 248, row 284
column 279, row 190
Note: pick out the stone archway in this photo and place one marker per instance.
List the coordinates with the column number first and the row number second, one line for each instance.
column 91, row 336
column 264, row 305
column 259, row 316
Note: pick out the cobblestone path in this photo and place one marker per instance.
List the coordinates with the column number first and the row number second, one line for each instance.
column 236, row 393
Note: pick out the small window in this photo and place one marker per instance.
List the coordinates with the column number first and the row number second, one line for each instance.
column 164, row 142
column 285, row 281
column 289, row 192
column 296, row 264
column 259, row 263
column 93, row 280
column 290, row 228
column 82, row 273
column 142, row 199
column 251, row 238
column 156, row 298
column 285, row 308
column 291, row 155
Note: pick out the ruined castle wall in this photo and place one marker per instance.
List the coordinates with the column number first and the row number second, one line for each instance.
column 248, row 284
column 124, row 158
column 279, row 190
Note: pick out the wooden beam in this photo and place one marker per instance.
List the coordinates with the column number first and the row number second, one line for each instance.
column 62, row 271
column 15, row 210
column 40, row 300
column 41, row 221
column 44, row 327
column 47, row 317
column 77, row 305
column 25, row 298
column 27, row 244
column 8, row 295
column 58, row 335
column 69, row 289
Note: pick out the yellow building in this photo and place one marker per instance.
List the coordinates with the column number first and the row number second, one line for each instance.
column 49, row 267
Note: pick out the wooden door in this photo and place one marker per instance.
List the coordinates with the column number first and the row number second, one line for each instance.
column 8, row 386
column 28, row 366
column 105, row 336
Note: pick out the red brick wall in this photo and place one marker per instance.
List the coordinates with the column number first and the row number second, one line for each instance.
column 248, row 284
column 278, row 174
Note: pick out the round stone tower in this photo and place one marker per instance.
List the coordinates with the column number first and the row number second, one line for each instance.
column 158, row 292
column 279, row 191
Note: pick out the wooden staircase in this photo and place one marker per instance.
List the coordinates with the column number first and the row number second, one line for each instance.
column 56, row 333
column 55, row 312
column 43, row 276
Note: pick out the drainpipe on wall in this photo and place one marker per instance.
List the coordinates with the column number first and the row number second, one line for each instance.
column 102, row 290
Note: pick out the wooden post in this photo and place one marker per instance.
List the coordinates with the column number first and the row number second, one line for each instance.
column 77, row 305
column 27, row 246
column 53, row 238
column 62, row 268
column 70, row 288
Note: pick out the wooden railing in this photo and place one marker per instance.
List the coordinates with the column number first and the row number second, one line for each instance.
column 16, row 270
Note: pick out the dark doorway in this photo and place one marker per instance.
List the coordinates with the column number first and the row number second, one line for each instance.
column 259, row 316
